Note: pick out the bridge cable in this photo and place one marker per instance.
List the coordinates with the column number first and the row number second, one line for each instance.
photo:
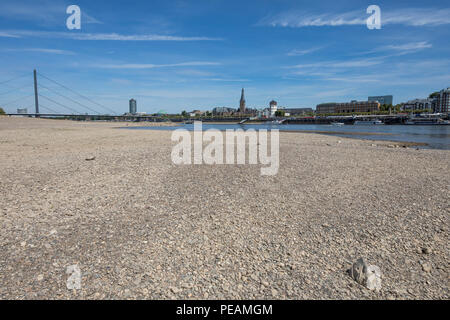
column 110, row 110
column 56, row 102
column 30, row 95
column 49, row 109
column 14, row 90
column 3, row 82
column 74, row 101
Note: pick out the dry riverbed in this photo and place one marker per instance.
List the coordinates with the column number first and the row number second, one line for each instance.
column 141, row 227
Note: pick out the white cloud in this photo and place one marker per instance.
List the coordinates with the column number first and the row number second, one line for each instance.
column 409, row 17
column 43, row 50
column 228, row 80
column 413, row 46
column 153, row 66
column 302, row 52
column 360, row 63
column 8, row 35
column 358, row 79
column 101, row 36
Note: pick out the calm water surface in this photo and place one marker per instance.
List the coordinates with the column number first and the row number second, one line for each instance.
column 435, row 136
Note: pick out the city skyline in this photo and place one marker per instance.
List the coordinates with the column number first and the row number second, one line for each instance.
column 182, row 55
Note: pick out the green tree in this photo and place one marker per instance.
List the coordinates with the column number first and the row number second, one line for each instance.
column 434, row 95
column 279, row 113
column 2, row 111
column 184, row 113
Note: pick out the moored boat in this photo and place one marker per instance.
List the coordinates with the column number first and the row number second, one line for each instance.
column 427, row 121
column 368, row 122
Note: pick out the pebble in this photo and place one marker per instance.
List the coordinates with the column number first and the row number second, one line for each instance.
column 426, row 266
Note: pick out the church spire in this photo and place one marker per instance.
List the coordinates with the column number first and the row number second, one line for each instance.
column 242, row 102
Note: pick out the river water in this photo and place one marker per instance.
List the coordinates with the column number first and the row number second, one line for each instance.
column 434, row 136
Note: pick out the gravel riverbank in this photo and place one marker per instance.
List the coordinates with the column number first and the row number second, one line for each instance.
column 140, row 227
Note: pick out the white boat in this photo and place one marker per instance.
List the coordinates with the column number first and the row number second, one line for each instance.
column 337, row 124
column 427, row 121
column 368, row 122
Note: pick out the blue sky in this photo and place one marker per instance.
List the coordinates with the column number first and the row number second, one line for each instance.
column 184, row 55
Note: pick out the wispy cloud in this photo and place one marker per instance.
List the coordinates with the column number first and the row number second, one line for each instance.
column 350, row 78
column 228, row 80
column 407, row 47
column 302, row 52
column 400, row 49
column 409, row 17
column 153, row 66
column 101, row 36
column 358, row 63
column 8, row 35
column 43, row 50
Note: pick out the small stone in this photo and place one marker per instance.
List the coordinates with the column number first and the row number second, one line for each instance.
column 175, row 290
column 366, row 275
column 53, row 231
column 40, row 277
column 274, row 292
column 23, row 244
column 426, row 267
column 426, row 250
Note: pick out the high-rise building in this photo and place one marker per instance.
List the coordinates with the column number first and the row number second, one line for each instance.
column 133, row 107
column 382, row 99
column 273, row 107
column 242, row 102
column 441, row 103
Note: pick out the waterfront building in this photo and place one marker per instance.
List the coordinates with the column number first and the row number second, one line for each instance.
column 263, row 113
column 325, row 108
column 133, row 106
column 382, row 99
column 194, row 113
column 242, row 102
column 297, row 111
column 357, row 107
column 441, row 103
column 418, row 104
column 22, row 111
column 273, row 107
column 222, row 111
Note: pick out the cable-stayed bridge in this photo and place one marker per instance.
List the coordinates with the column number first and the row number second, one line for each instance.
column 49, row 98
